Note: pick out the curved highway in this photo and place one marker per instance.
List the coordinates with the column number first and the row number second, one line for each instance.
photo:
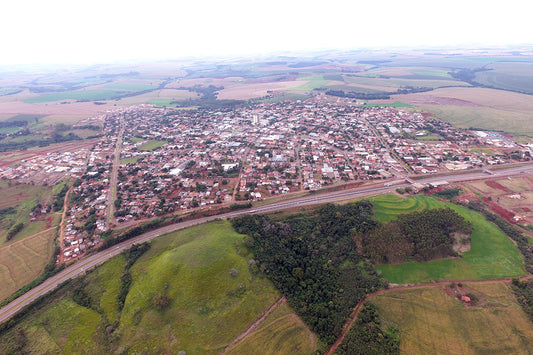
column 95, row 259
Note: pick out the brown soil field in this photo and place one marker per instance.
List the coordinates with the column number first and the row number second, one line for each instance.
column 80, row 109
column 245, row 92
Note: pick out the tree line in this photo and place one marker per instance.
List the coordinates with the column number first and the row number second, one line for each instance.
column 312, row 259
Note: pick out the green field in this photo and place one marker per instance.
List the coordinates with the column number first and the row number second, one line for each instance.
column 163, row 102
column 208, row 307
column 282, row 332
column 23, row 198
column 152, row 145
column 130, row 87
column 315, row 81
column 492, row 254
column 83, row 95
column 433, row 322
column 22, row 262
column 129, row 160
column 508, row 76
column 488, row 118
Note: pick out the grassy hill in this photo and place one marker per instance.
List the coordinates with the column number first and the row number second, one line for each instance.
column 212, row 296
column 492, row 254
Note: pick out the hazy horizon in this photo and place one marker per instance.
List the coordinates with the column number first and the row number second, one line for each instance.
column 60, row 32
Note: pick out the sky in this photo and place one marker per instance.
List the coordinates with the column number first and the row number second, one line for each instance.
column 103, row 31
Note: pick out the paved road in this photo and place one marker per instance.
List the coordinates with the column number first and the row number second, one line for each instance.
column 95, row 259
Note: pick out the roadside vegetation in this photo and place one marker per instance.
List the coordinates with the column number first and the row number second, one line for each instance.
column 194, row 290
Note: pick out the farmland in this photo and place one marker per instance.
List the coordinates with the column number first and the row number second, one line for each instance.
column 492, row 254
column 84, row 95
column 23, row 261
column 433, row 321
column 477, row 107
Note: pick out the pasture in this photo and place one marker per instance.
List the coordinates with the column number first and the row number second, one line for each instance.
column 209, row 307
column 492, row 254
column 432, row 321
column 212, row 297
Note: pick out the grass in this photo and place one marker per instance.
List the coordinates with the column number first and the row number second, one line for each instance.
column 433, row 322
column 315, row 81
column 129, row 160
column 22, row 262
column 83, row 95
column 104, row 288
column 492, row 254
column 209, row 308
column 282, row 332
column 152, row 145
column 136, row 140
column 163, row 102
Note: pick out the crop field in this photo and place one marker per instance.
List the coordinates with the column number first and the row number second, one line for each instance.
column 312, row 82
column 83, row 95
column 159, row 97
column 209, row 303
column 129, row 87
column 249, row 91
column 477, row 107
column 24, row 261
column 282, row 332
column 432, row 321
column 412, row 72
column 152, row 145
column 396, row 83
column 492, row 254
column 508, row 76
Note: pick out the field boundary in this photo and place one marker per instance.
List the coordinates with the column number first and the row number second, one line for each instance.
column 253, row 327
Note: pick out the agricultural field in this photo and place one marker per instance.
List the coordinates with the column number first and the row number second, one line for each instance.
column 82, row 95
column 23, row 198
column 477, row 107
column 492, row 254
column 202, row 271
column 254, row 90
column 431, row 320
column 392, row 84
column 513, row 76
column 513, row 195
column 159, row 97
column 23, row 261
column 282, row 332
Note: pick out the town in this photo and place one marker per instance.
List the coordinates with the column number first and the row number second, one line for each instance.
column 154, row 161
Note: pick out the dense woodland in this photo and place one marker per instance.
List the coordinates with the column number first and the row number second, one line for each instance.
column 523, row 291
column 314, row 261
column 366, row 337
column 423, row 235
